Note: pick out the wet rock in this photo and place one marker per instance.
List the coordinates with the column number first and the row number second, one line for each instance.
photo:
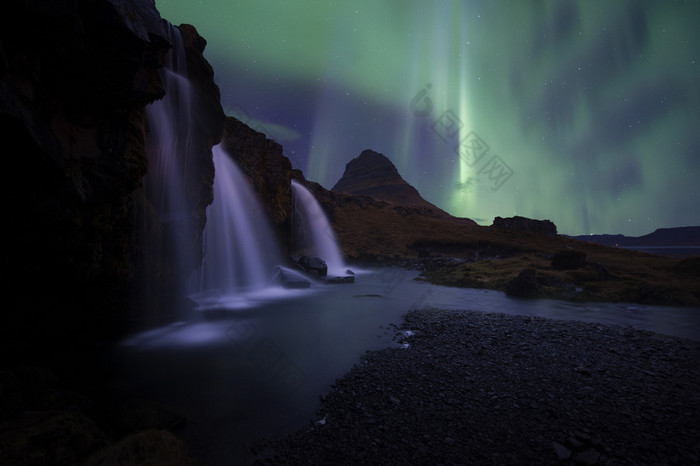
column 289, row 279
column 313, row 265
column 340, row 280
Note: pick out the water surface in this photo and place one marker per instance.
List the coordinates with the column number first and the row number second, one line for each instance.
column 256, row 367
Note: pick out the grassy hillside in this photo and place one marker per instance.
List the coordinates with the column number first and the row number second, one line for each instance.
column 487, row 257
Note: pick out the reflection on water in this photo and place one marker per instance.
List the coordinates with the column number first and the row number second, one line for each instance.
column 253, row 366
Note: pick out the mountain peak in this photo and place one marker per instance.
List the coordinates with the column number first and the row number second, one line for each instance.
column 373, row 174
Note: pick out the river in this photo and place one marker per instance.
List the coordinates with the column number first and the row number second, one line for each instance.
column 256, row 369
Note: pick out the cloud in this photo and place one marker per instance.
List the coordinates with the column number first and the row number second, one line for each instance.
column 275, row 131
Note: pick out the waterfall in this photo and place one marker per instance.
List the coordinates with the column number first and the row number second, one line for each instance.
column 321, row 240
column 165, row 231
column 168, row 145
column 240, row 250
column 168, row 148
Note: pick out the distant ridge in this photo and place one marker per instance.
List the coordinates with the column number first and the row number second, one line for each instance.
column 680, row 236
column 373, row 174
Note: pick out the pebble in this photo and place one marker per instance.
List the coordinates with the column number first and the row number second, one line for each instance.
column 577, row 393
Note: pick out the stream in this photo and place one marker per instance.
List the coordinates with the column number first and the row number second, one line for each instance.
column 255, row 368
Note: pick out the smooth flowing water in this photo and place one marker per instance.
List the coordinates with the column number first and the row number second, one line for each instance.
column 240, row 250
column 258, row 371
column 168, row 148
column 253, row 360
column 312, row 219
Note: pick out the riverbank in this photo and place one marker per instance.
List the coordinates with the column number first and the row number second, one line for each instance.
column 477, row 388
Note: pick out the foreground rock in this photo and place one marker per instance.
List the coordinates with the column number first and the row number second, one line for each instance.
column 289, row 279
column 313, row 265
column 75, row 81
column 475, row 388
column 344, row 280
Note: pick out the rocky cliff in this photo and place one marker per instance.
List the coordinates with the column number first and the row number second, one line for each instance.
column 75, row 78
column 269, row 171
column 544, row 227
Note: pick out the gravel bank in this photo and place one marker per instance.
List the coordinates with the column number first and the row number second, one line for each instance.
column 476, row 388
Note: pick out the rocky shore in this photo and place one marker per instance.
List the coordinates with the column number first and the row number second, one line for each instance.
column 476, row 388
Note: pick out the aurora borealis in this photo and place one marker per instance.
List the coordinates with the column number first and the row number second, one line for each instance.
column 583, row 112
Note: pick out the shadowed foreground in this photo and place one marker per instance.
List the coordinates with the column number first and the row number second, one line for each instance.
column 475, row 388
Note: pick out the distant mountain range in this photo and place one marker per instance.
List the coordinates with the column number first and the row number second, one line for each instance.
column 681, row 236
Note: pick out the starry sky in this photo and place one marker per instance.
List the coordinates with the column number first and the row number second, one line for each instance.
column 583, row 112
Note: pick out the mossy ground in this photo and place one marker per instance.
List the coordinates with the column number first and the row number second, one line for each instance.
column 383, row 233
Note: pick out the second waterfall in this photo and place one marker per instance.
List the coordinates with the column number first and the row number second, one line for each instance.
column 314, row 232
column 240, row 250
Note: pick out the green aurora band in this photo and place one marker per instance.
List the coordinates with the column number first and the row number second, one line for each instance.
column 589, row 109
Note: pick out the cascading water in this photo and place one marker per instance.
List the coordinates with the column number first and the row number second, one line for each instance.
column 168, row 145
column 312, row 220
column 241, row 252
column 167, row 237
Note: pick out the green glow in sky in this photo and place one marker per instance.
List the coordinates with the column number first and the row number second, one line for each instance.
column 589, row 109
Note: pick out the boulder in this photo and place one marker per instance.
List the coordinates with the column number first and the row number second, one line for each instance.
column 313, row 265
column 568, row 259
column 524, row 285
column 340, row 280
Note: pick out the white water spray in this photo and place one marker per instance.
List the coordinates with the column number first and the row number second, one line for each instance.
column 324, row 243
column 240, row 250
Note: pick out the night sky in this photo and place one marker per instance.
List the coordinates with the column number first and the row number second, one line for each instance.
column 584, row 112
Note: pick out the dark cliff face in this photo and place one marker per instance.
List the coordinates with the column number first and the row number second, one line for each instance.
column 167, row 251
column 269, row 171
column 75, row 78
column 208, row 115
